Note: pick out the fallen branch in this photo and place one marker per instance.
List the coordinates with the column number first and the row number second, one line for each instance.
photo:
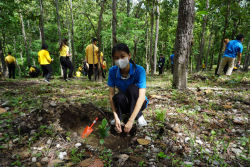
column 98, row 109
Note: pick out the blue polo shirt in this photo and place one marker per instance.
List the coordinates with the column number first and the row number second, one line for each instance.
column 136, row 76
column 233, row 47
column 172, row 58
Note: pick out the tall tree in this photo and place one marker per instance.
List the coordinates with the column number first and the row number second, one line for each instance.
column 156, row 34
column 202, row 40
column 183, row 40
column 247, row 56
column 25, row 40
column 41, row 22
column 114, row 23
column 151, row 38
column 72, row 33
column 4, row 68
column 224, row 33
column 128, row 7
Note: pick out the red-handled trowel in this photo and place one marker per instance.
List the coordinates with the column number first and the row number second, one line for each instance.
column 88, row 130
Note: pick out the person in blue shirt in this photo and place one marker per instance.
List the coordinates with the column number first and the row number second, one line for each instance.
column 172, row 63
column 161, row 63
column 233, row 47
column 130, row 79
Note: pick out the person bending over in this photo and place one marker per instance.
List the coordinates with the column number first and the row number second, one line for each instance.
column 130, row 79
column 33, row 72
column 64, row 59
column 11, row 64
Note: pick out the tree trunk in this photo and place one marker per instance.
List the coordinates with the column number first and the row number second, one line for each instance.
column 99, row 41
column 199, row 60
column 72, row 32
column 128, row 7
column 212, row 61
column 224, row 33
column 183, row 41
column 151, row 39
column 247, row 57
column 19, row 71
column 4, row 68
column 68, row 31
column 41, row 22
column 34, row 62
column 146, row 59
column 156, row 36
column 114, row 23
column 59, row 30
column 210, row 40
column 25, row 40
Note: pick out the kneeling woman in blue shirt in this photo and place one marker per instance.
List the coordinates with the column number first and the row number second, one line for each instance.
column 130, row 79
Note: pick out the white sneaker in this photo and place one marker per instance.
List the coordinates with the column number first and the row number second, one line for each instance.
column 47, row 81
column 142, row 122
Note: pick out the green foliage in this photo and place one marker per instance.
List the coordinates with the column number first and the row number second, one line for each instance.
column 103, row 130
column 161, row 155
column 160, row 115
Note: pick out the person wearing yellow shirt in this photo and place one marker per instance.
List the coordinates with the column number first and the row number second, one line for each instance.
column 33, row 71
column 11, row 63
column 64, row 59
column 104, row 65
column 203, row 66
column 44, row 60
column 91, row 50
column 78, row 74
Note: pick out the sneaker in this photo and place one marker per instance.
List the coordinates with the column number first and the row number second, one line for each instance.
column 47, row 81
column 142, row 122
column 67, row 80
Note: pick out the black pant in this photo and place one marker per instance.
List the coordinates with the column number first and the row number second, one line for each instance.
column 103, row 76
column 160, row 70
column 12, row 68
column 33, row 74
column 66, row 64
column 47, row 71
column 172, row 68
column 125, row 102
column 91, row 71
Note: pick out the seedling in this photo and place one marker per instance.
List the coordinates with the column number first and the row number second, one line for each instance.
column 160, row 115
column 161, row 155
column 103, row 130
column 142, row 163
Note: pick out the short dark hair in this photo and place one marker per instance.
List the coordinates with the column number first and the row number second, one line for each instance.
column 9, row 53
column 161, row 54
column 44, row 46
column 94, row 39
column 239, row 37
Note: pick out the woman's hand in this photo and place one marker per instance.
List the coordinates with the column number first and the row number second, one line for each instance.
column 118, row 125
column 128, row 126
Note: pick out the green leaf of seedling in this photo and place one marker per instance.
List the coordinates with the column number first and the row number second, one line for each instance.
column 2, row 147
column 101, row 141
column 161, row 155
column 213, row 132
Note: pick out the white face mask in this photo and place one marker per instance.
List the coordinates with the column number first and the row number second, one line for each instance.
column 122, row 63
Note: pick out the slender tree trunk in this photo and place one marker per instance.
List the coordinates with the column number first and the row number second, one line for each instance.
column 4, row 68
column 247, row 57
column 183, row 43
column 151, row 39
column 212, row 61
column 128, row 7
column 72, row 32
column 199, row 60
column 210, row 40
column 41, row 22
column 114, row 23
column 99, row 40
column 19, row 71
column 146, row 59
column 224, row 33
column 59, row 30
column 68, row 31
column 156, row 36
column 25, row 40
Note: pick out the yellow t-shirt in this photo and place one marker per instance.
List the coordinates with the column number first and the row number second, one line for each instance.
column 78, row 73
column 32, row 69
column 10, row 59
column 64, row 51
column 203, row 65
column 44, row 57
column 105, row 65
column 89, row 54
column 80, row 69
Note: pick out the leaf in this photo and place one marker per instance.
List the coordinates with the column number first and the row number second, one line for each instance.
column 227, row 106
column 143, row 141
column 161, row 155
column 202, row 13
column 213, row 132
column 101, row 141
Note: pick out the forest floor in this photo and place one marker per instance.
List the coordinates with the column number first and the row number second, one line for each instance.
column 207, row 125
